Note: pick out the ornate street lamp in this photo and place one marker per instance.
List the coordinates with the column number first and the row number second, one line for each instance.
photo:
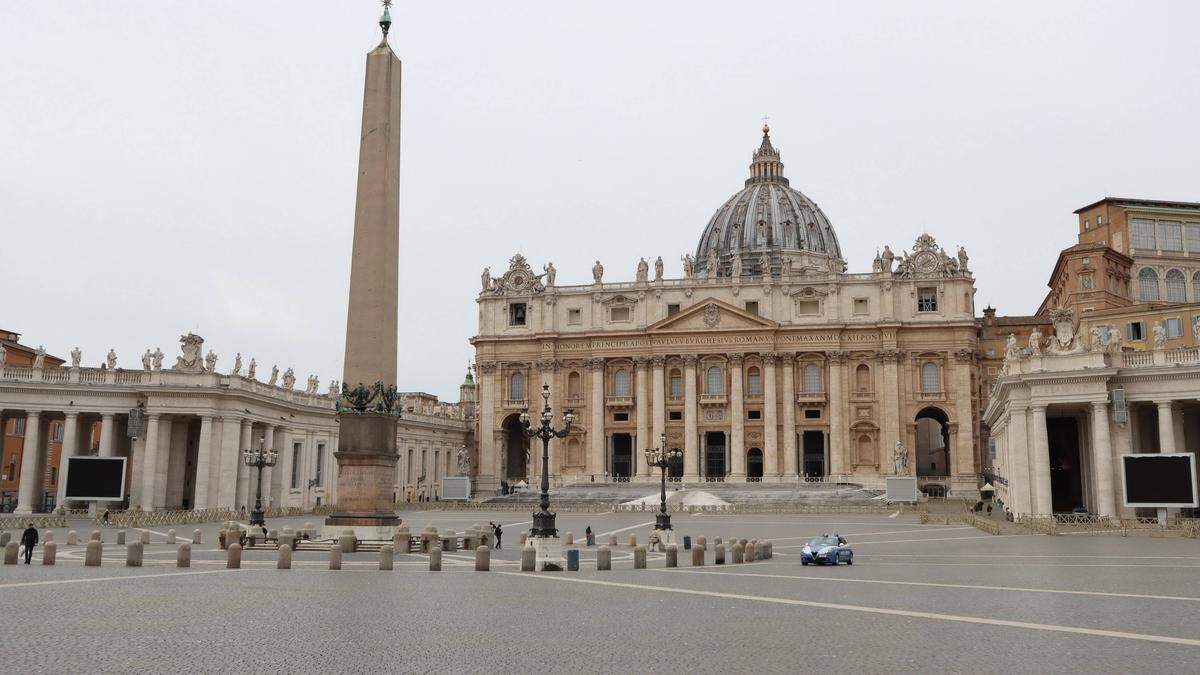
column 543, row 519
column 260, row 458
column 661, row 457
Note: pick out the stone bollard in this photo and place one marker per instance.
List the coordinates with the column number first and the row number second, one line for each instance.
column 435, row 560
column 450, row 543
column 170, row 536
column 612, row 540
column 604, row 558
column 287, row 540
column 672, row 556
column 48, row 537
column 233, row 559
column 573, row 560
column 569, row 539
column 749, row 551
column 223, row 539
column 528, row 559
column 49, row 553
column 347, row 542
column 10, row 553
column 719, row 554
column 716, row 541
column 387, row 557
column 702, row 543
column 401, row 539
column 145, row 537
column 72, row 538
column 92, row 557
column 197, row 537
column 120, row 537
column 284, row 558
column 335, row 557
column 184, row 557
column 697, row 557
column 96, row 536
column 5, row 537
column 524, row 538
column 134, row 554
column 633, row 540
column 738, row 553
column 483, row 558
column 639, row 557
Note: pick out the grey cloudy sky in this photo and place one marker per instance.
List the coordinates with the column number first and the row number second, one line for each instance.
column 190, row 166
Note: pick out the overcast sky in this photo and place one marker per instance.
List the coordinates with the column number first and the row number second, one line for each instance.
column 168, row 167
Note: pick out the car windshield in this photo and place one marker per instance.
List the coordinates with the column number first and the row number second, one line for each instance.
column 823, row 540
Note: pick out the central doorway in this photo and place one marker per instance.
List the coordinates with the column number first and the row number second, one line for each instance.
column 754, row 464
column 1066, row 479
column 714, row 454
column 622, row 458
column 813, row 447
column 516, row 450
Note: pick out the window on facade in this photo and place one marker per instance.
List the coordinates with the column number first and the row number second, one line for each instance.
column 56, row 433
column 516, row 387
column 296, row 459
column 1176, row 286
column 1087, row 260
column 926, row 299
column 1191, row 237
column 812, row 413
column 18, row 427
column 517, row 314
column 619, row 314
column 573, row 385
column 574, row 452
column 1135, row 330
column 621, row 383
column 676, row 384
column 675, row 415
column 861, row 306
column 862, row 378
column 752, row 306
column 808, row 307
column 812, row 378
column 1147, row 284
column 1085, row 281
column 574, row 317
column 320, row 473
column 672, row 309
column 754, row 414
column 754, row 381
column 991, row 352
column 931, row 378
column 1142, row 234
column 1173, row 327
column 408, row 467
column 621, row 417
column 1170, row 236
column 54, row 475
column 1099, row 220
column 714, row 380
column 1196, row 286
column 1086, row 226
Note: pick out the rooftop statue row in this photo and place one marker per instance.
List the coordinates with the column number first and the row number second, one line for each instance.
column 927, row 259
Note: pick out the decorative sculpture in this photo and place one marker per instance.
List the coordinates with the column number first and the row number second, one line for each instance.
column 76, row 357
column 1065, row 341
column 737, row 266
column 766, row 265
column 210, row 362
column 1097, row 344
column 333, row 388
column 111, row 359
column 1116, row 342
column 251, row 368
column 1196, row 328
column 900, row 459
column 598, row 272
column 191, row 345
column 887, row 258
column 289, row 379
column 643, row 270
column 363, row 399
column 689, row 266
column 1035, row 342
column 39, row 358
column 551, row 273
column 962, row 260
column 1011, row 351
column 486, row 279
column 3, row 355
column 464, row 461
column 658, row 268
column 237, row 364
column 274, row 375
column 713, row 267
column 1160, row 335
column 157, row 358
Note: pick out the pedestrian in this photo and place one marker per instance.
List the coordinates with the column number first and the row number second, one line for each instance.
column 29, row 539
column 104, row 519
column 591, row 538
column 498, row 532
column 989, row 509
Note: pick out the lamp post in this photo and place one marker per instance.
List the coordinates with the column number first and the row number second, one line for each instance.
column 661, row 457
column 543, row 519
column 260, row 458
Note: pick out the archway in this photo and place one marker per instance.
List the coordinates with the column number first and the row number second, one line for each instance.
column 516, row 450
column 933, row 443
column 754, row 464
column 1066, row 476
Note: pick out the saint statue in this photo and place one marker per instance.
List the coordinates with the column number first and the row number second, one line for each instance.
column 146, row 359
column 658, row 269
column 737, row 266
column 237, row 364
column 713, row 268
column 766, row 265
column 274, row 375
column 334, row 391
column 111, row 359
column 962, row 259
column 1160, row 335
column 598, row 272
column 3, row 355
column 289, row 379
column 486, row 279
column 887, row 258
column 464, row 461
column 643, row 270
column 1035, row 342
column 39, row 358
column 76, row 357
column 550, row 273
column 158, row 357
column 689, row 268
column 900, row 460
column 210, row 361
column 251, row 368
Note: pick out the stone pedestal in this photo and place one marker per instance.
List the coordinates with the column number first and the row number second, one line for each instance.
column 549, row 553
column 366, row 460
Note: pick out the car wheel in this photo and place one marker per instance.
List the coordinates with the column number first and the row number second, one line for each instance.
column 850, row 560
column 804, row 563
column 833, row 561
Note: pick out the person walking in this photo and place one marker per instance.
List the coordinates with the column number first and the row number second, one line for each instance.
column 29, row 539
column 498, row 532
column 104, row 520
column 591, row 538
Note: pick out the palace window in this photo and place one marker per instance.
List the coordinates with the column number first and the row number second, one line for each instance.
column 676, row 384
column 927, row 300
column 754, row 414
column 714, row 380
column 808, row 307
column 812, row 378
column 861, row 306
column 1196, row 286
column 1099, row 221
column 672, row 309
column 931, row 378
column 1135, row 330
column 1176, row 286
column 619, row 314
column 620, row 417
column 812, row 413
column 862, row 378
column 296, row 449
column 753, row 382
column 621, row 383
column 1085, row 281
column 516, row 314
column 573, row 385
column 18, row 427
column 1173, row 327
column 516, row 387
column 1191, row 237
column 56, row 432
column 752, row 306
column 1147, row 285
column 1170, row 237
column 675, row 415
column 1143, row 234
column 574, row 317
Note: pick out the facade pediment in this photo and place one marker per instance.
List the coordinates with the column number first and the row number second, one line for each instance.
column 711, row 314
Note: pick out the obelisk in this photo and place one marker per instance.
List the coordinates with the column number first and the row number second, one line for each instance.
column 366, row 454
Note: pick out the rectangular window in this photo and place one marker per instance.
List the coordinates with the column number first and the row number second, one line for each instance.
column 296, row 466
column 926, row 299
column 752, row 306
column 320, row 464
column 754, row 414
column 672, row 309
column 1170, row 237
column 861, row 306
column 812, row 413
column 574, row 317
column 54, row 475
column 619, row 314
column 1191, row 237
column 991, row 352
column 1087, row 260
column 1085, row 282
column 676, row 385
column 1135, row 330
column 1173, row 326
column 675, row 415
column 516, row 314
column 18, row 427
column 1099, row 220
column 1086, row 226
column 621, row 417
column 808, row 307
column 1142, row 234
column 57, row 432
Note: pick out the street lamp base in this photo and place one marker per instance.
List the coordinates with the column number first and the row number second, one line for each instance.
column 256, row 518
column 543, row 524
column 662, row 521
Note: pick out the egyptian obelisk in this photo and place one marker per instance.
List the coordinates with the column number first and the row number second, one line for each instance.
column 366, row 454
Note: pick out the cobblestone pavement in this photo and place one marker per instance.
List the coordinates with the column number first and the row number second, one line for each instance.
column 929, row 598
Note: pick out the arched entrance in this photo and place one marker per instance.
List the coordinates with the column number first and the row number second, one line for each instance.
column 516, row 450
column 933, row 443
column 754, row 464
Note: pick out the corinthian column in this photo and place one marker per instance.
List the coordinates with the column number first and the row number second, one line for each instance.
column 837, row 417
column 642, row 413
column 787, row 361
column 31, row 455
column 770, row 421
column 486, row 472
column 691, row 456
column 596, row 439
column 1041, row 462
column 737, row 414
column 660, row 401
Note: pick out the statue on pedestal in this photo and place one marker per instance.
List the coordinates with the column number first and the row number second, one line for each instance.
column 962, row 260
column 237, row 364
column 900, row 460
column 39, row 358
column 643, row 270
column 191, row 345
column 210, row 361
column 737, row 266
column 111, row 359
column 3, row 355
column 713, row 266
column 464, row 461
column 658, row 268
column 887, row 258
column 334, row 390
column 289, row 379
column 598, row 272
column 689, row 266
column 147, row 358
column 1035, row 342
column 274, row 375
column 76, row 357
column 157, row 358
column 250, row 370
column 551, row 273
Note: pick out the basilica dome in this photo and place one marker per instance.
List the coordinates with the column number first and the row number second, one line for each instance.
column 766, row 220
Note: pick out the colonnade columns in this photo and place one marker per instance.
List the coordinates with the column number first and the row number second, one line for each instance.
column 243, row 472
column 659, row 424
column 1166, row 427
column 106, row 435
column 837, row 418
column 642, row 416
column 1020, row 491
column 770, row 420
column 268, row 477
column 486, row 463
column 229, row 459
column 31, row 455
column 596, row 437
column 788, row 361
column 1041, row 463
column 203, row 460
column 150, row 459
column 691, row 429
column 70, row 446
column 1102, row 460
column 737, row 413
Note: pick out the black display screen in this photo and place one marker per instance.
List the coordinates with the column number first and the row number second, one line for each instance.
column 1159, row 480
column 95, row 478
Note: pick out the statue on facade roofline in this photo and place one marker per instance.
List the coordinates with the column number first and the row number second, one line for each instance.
column 486, row 279
column 689, row 266
column 962, row 260
column 1035, row 342
column 737, row 266
column 274, row 375
column 551, row 273
column 210, row 361
column 39, row 358
column 157, row 358
column 111, row 359
column 334, row 389
column 76, row 357
column 658, row 268
column 191, row 346
column 598, row 272
column 643, row 271
column 3, row 355
column 237, row 364
column 251, row 368
column 887, row 258
column 147, row 357
column 714, row 265
column 289, row 379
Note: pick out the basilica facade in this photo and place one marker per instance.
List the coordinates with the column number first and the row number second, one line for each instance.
column 767, row 361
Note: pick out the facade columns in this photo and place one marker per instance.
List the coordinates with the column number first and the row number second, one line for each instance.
column 1040, row 464
column 70, row 446
column 770, row 421
column 547, row 369
column 1019, row 488
column 964, row 443
column 228, row 459
column 788, row 361
column 1166, row 427
column 286, row 459
column 31, row 456
column 642, row 416
column 150, row 458
column 243, row 471
column 691, row 428
column 891, row 411
column 597, row 441
column 204, row 456
column 837, row 419
column 106, row 435
column 486, row 471
column 1102, row 460
column 659, row 387
column 737, row 413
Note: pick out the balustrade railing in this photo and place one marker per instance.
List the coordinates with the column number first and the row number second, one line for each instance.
column 1138, row 359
